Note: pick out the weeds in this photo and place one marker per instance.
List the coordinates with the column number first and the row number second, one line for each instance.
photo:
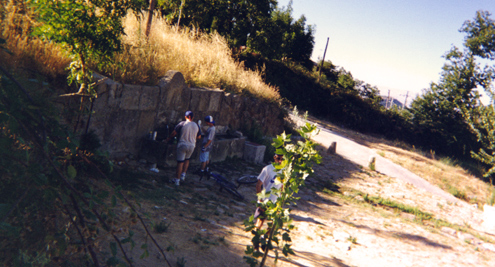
column 352, row 239
column 162, row 227
column 181, row 262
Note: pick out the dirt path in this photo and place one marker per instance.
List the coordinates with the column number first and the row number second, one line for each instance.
column 335, row 224
column 361, row 154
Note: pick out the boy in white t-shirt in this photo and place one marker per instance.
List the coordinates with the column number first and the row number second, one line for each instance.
column 266, row 182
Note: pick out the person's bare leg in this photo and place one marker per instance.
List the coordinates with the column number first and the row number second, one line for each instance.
column 186, row 165
column 259, row 223
column 180, row 166
column 203, row 166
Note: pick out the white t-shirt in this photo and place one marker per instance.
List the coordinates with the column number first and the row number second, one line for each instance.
column 268, row 178
column 188, row 131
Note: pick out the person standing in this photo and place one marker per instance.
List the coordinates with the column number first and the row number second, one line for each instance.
column 204, row 156
column 188, row 132
column 266, row 182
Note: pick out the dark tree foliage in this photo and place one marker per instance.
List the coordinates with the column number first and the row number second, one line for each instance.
column 326, row 100
column 480, row 38
column 480, row 41
column 436, row 114
column 259, row 25
column 282, row 37
column 234, row 19
column 440, row 114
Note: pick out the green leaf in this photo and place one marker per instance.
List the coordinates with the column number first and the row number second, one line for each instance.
column 71, row 171
column 145, row 254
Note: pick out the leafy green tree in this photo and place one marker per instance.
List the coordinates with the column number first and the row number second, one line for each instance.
column 234, row 19
column 346, row 81
column 282, row 37
column 437, row 114
column 329, row 71
column 299, row 158
column 480, row 41
column 88, row 29
column 369, row 92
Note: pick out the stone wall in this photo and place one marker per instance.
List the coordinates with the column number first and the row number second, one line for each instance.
column 124, row 114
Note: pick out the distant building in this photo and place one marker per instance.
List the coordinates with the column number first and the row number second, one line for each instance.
column 389, row 102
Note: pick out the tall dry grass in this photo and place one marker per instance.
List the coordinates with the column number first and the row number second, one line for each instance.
column 26, row 51
column 203, row 59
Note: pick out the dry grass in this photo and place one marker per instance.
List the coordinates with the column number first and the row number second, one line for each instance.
column 205, row 60
column 26, row 51
column 441, row 172
column 451, row 178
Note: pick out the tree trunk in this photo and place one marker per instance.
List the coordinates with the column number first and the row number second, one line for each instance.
column 150, row 18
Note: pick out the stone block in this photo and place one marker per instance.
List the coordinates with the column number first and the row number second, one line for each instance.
column 200, row 99
column 114, row 94
column 254, row 152
column 120, row 132
column 171, row 87
column 130, row 97
column 146, row 123
column 215, row 103
column 149, row 97
column 332, row 149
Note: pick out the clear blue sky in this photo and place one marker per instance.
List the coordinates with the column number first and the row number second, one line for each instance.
column 396, row 45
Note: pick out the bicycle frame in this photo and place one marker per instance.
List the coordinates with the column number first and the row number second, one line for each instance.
column 224, row 184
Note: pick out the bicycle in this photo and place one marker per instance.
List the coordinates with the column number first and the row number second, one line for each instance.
column 247, row 179
column 226, row 184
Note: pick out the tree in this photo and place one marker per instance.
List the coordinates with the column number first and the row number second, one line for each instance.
column 299, row 158
column 437, row 113
column 282, row 37
column 369, row 92
column 88, row 29
column 346, row 81
column 233, row 19
column 480, row 41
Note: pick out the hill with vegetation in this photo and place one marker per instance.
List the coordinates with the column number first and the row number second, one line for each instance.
column 55, row 203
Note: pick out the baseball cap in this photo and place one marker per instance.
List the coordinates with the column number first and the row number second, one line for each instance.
column 189, row 113
column 209, row 119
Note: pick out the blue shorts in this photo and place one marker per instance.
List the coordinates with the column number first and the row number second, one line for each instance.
column 204, row 156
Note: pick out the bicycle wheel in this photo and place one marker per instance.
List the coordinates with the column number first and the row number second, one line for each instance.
column 247, row 179
column 228, row 186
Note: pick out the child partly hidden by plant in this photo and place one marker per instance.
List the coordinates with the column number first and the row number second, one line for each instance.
column 204, row 156
column 267, row 181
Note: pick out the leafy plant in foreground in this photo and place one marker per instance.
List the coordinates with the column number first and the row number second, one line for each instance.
column 299, row 158
column 51, row 211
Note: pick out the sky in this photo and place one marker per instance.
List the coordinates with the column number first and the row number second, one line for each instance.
column 395, row 45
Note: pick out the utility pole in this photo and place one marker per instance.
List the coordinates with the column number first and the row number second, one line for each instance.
column 323, row 60
column 405, row 101
column 388, row 100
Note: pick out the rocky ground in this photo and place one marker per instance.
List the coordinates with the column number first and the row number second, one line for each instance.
column 335, row 223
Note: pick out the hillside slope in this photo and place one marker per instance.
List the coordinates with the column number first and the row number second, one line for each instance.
column 339, row 220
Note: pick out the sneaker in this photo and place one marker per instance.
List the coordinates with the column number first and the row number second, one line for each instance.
column 155, row 170
column 183, row 176
column 177, row 182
